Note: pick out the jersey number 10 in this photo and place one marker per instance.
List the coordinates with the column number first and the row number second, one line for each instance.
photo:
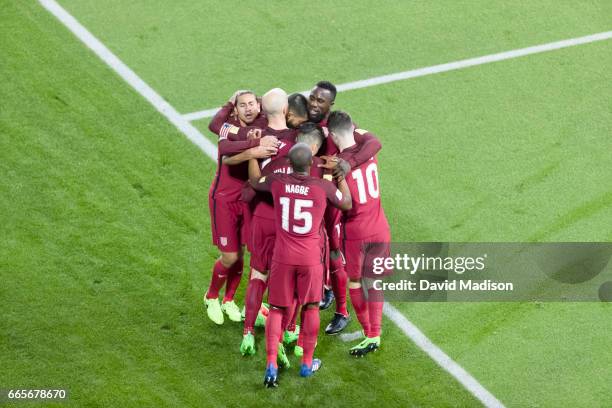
column 371, row 180
column 298, row 214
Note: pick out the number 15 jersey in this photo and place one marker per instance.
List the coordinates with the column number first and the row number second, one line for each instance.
column 299, row 206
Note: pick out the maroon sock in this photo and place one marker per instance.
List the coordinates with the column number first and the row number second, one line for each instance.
column 233, row 280
column 291, row 310
column 252, row 304
column 375, row 310
column 300, row 340
column 292, row 322
column 361, row 308
column 273, row 330
column 310, row 328
column 338, row 282
column 219, row 276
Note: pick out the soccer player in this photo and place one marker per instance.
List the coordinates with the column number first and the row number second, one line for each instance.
column 366, row 232
column 227, row 212
column 320, row 101
column 263, row 234
column 297, row 262
column 298, row 110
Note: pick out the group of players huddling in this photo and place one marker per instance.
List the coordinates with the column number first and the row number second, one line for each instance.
column 298, row 185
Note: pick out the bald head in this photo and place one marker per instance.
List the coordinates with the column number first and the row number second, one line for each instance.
column 274, row 102
column 300, row 157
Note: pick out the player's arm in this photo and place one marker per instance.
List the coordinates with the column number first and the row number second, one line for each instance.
column 369, row 146
column 338, row 197
column 258, row 182
column 259, row 152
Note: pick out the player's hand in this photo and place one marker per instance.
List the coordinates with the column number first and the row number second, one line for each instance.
column 232, row 99
column 254, row 134
column 329, row 162
column 342, row 169
column 269, row 141
column 263, row 152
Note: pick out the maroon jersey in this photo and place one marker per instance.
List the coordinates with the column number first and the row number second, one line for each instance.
column 299, row 205
column 366, row 218
column 229, row 180
column 368, row 143
column 263, row 204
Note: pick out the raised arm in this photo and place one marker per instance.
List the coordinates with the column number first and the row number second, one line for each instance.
column 369, row 145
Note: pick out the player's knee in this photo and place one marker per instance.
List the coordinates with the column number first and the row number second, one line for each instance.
column 255, row 274
column 311, row 306
column 229, row 258
column 281, row 308
column 354, row 284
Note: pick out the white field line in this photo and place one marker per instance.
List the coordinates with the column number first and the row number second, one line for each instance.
column 436, row 69
column 131, row 78
column 210, row 150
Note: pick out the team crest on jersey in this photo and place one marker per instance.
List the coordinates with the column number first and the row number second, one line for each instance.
column 223, row 241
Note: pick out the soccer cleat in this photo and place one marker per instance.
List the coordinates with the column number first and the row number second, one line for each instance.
column 232, row 311
column 328, row 298
column 281, row 357
column 271, row 377
column 213, row 310
column 247, row 347
column 262, row 315
column 368, row 345
column 291, row 336
column 298, row 351
column 337, row 324
column 306, row 371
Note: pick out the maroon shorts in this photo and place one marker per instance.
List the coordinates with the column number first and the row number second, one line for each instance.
column 360, row 255
column 229, row 224
column 288, row 282
column 263, row 234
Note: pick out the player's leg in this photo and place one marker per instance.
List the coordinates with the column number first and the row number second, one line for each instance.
column 273, row 332
column 235, row 262
column 376, row 247
column 292, row 331
column 261, row 243
column 338, row 278
column 224, row 224
column 235, row 270
column 254, row 296
column 310, row 331
column 281, row 284
column 309, row 282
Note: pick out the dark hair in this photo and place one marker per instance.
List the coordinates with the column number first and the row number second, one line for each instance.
column 339, row 121
column 298, row 104
column 300, row 157
column 329, row 86
column 310, row 133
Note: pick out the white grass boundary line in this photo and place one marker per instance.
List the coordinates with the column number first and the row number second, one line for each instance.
column 131, row 78
column 451, row 66
column 210, row 150
column 441, row 358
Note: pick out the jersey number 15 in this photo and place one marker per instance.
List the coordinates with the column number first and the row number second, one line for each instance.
column 298, row 215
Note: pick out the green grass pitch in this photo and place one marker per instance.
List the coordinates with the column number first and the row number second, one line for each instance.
column 105, row 239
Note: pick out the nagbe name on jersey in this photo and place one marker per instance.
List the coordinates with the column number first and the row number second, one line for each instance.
column 296, row 189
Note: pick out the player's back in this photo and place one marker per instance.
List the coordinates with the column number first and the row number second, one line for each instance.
column 299, row 205
column 366, row 218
